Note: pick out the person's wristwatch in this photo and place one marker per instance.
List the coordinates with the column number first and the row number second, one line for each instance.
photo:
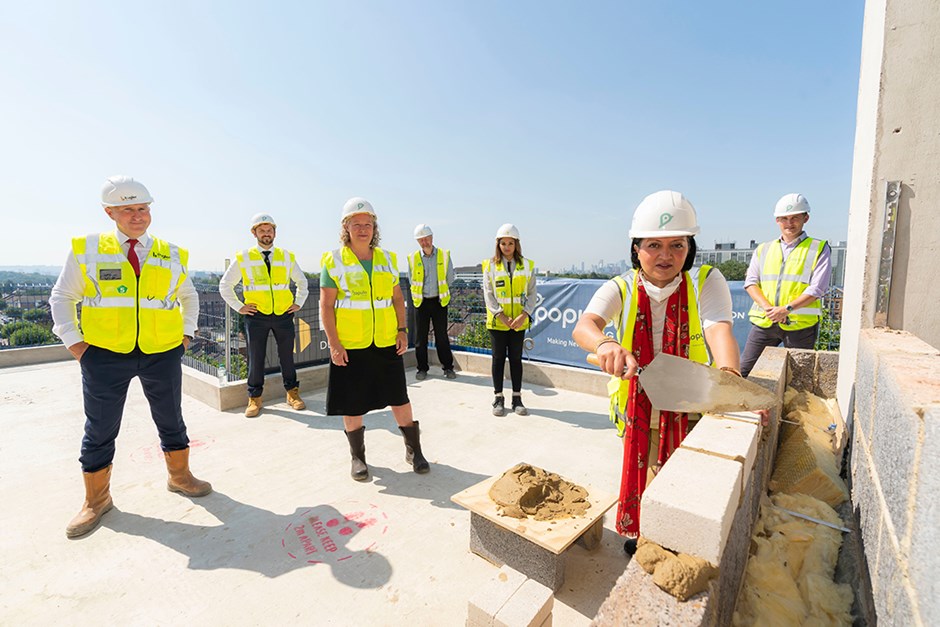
column 403, row 329
column 789, row 307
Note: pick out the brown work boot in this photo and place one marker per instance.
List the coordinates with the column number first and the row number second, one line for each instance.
column 254, row 407
column 294, row 400
column 97, row 502
column 181, row 480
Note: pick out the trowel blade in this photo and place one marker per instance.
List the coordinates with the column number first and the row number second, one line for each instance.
column 676, row 384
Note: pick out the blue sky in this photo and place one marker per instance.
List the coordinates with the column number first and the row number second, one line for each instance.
column 556, row 116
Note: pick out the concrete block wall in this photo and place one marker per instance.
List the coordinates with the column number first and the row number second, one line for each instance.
column 895, row 473
column 723, row 527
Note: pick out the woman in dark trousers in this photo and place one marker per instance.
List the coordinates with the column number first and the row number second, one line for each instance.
column 509, row 294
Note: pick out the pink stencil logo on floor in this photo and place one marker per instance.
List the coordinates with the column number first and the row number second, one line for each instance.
column 335, row 533
column 153, row 453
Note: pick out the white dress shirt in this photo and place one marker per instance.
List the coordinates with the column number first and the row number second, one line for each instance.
column 233, row 275
column 69, row 290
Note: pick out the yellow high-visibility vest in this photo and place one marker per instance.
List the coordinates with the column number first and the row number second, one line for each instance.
column 269, row 292
column 511, row 294
column 782, row 282
column 417, row 277
column 618, row 388
column 364, row 310
column 120, row 310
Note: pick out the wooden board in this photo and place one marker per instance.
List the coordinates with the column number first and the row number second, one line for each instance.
column 553, row 535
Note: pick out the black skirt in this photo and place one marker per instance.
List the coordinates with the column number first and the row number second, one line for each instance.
column 373, row 378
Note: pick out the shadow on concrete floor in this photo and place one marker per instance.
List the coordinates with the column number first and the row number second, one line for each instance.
column 256, row 540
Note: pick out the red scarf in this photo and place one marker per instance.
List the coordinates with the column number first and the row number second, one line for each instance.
column 673, row 427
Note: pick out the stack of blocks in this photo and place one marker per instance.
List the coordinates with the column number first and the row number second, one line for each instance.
column 690, row 505
column 510, row 599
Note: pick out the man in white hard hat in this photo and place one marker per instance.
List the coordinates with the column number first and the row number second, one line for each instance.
column 785, row 279
column 139, row 313
column 431, row 274
column 266, row 273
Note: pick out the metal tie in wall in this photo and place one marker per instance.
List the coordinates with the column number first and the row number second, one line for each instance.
column 886, row 262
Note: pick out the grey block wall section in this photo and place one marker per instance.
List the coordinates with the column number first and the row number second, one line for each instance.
column 636, row 600
column 895, row 474
column 501, row 546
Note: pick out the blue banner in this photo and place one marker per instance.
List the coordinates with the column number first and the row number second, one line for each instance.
column 560, row 304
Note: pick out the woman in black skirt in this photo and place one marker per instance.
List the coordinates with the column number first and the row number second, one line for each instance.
column 362, row 311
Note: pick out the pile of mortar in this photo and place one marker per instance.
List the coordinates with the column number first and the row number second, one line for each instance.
column 526, row 491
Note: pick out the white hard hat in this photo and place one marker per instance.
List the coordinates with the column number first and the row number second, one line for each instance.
column 664, row 214
column 790, row 205
column 120, row 191
column 262, row 218
column 423, row 230
column 507, row 230
column 357, row 205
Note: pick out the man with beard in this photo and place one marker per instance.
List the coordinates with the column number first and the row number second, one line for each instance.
column 266, row 272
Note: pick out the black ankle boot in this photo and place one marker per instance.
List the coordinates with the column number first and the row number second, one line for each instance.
column 629, row 547
column 357, row 448
column 413, row 453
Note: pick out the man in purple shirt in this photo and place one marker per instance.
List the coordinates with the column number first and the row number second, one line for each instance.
column 786, row 279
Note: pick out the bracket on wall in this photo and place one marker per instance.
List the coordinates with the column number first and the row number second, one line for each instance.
column 886, row 262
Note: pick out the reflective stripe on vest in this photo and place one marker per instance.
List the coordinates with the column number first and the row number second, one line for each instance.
column 270, row 292
column 417, row 277
column 784, row 281
column 364, row 309
column 618, row 388
column 121, row 311
column 510, row 294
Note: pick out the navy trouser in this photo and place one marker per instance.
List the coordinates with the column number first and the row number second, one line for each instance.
column 257, row 327
column 105, row 378
column 760, row 338
column 430, row 312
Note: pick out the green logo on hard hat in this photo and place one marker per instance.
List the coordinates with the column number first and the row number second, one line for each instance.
column 122, row 290
column 789, row 207
column 664, row 219
column 360, row 206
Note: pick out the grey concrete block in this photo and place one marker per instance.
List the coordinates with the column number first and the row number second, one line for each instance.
column 636, row 600
column 802, row 369
column 924, row 560
column 865, row 390
column 896, row 430
column 827, row 374
column 501, row 546
column 737, row 549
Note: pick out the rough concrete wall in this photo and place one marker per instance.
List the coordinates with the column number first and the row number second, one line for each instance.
column 909, row 150
column 896, row 476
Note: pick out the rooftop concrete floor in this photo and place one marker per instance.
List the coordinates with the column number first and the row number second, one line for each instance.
column 236, row 556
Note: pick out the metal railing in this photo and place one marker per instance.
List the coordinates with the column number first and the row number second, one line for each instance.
column 220, row 346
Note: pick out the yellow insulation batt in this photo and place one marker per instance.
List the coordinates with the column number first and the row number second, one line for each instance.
column 806, row 460
column 788, row 580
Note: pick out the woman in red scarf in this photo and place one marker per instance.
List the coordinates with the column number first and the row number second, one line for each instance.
column 662, row 305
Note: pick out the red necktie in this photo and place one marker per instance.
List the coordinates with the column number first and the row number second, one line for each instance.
column 132, row 256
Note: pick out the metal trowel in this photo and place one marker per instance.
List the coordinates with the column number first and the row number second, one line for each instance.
column 676, row 384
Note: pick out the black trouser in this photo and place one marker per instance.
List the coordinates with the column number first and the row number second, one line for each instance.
column 105, row 378
column 507, row 343
column 257, row 328
column 760, row 338
column 431, row 311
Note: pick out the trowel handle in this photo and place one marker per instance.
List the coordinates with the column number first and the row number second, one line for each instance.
column 592, row 359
